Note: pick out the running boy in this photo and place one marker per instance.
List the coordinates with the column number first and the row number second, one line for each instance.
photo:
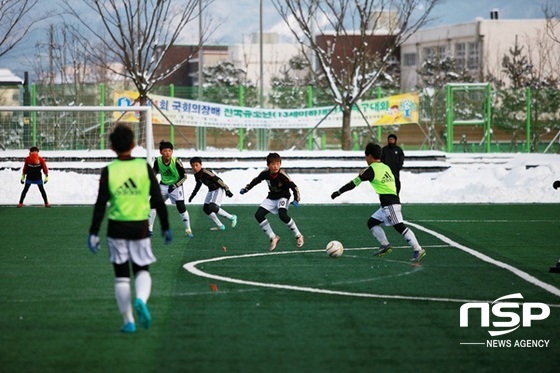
column 171, row 185
column 31, row 174
column 383, row 182
column 213, row 200
column 127, row 184
column 279, row 185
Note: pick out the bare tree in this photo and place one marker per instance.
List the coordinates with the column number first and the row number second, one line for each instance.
column 551, row 10
column 352, row 42
column 15, row 22
column 136, row 34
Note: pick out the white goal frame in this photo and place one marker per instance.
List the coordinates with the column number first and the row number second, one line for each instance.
column 147, row 109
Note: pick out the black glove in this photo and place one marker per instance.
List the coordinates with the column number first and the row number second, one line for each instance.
column 335, row 194
column 191, row 198
column 229, row 193
column 171, row 188
column 556, row 184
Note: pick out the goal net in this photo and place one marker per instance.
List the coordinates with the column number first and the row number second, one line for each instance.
column 72, row 127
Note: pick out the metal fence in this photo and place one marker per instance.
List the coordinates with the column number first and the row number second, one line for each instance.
column 526, row 120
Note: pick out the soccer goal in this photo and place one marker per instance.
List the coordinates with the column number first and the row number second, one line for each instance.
column 72, row 127
column 469, row 104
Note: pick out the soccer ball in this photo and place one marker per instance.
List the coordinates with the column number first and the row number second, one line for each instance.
column 334, row 249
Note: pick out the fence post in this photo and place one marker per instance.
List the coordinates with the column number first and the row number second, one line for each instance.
column 310, row 105
column 488, row 117
column 241, row 130
column 528, row 119
column 102, row 117
column 449, row 116
column 379, row 133
column 34, row 114
column 171, row 126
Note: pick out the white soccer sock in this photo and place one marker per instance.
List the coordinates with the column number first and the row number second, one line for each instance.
column 122, row 295
column 379, row 234
column 410, row 237
column 186, row 222
column 265, row 225
column 143, row 285
column 225, row 214
column 215, row 219
column 292, row 225
column 151, row 219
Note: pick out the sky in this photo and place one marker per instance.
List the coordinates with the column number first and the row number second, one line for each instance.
column 470, row 178
column 243, row 20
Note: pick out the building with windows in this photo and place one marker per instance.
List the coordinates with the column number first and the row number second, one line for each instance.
column 479, row 47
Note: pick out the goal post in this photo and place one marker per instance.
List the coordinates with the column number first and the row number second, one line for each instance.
column 73, row 127
column 475, row 109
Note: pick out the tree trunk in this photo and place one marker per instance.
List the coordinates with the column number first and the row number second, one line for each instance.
column 347, row 142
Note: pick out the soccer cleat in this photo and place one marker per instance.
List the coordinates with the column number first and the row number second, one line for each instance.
column 150, row 233
column 144, row 316
column 299, row 240
column 383, row 250
column 555, row 269
column 47, row 204
column 233, row 221
column 418, row 255
column 188, row 233
column 129, row 327
column 274, row 242
column 220, row 228
column 20, row 205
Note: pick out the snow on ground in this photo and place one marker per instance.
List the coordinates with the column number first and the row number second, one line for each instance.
column 471, row 178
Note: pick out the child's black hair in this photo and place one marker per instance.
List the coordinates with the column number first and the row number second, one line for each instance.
column 195, row 160
column 165, row 145
column 374, row 150
column 121, row 138
column 273, row 157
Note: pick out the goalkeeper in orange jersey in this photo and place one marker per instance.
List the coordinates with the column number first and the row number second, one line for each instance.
column 277, row 200
column 31, row 174
column 216, row 189
column 383, row 182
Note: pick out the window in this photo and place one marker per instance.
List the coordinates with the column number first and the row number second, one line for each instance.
column 460, row 55
column 429, row 53
column 474, row 56
column 409, row 59
column 435, row 53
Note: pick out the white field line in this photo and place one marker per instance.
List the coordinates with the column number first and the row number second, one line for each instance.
column 192, row 268
column 516, row 271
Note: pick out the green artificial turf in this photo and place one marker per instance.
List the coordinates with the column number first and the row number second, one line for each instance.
column 293, row 310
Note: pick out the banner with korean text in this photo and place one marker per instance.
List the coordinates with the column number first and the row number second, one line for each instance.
column 393, row 110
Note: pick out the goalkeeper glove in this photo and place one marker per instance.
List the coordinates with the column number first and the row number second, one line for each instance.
column 243, row 191
column 335, row 194
column 171, row 188
column 229, row 194
column 556, row 184
column 295, row 203
column 46, row 180
column 93, row 243
column 167, row 236
column 22, row 180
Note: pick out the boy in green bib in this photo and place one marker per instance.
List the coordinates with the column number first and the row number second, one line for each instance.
column 173, row 176
column 128, row 185
column 382, row 180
